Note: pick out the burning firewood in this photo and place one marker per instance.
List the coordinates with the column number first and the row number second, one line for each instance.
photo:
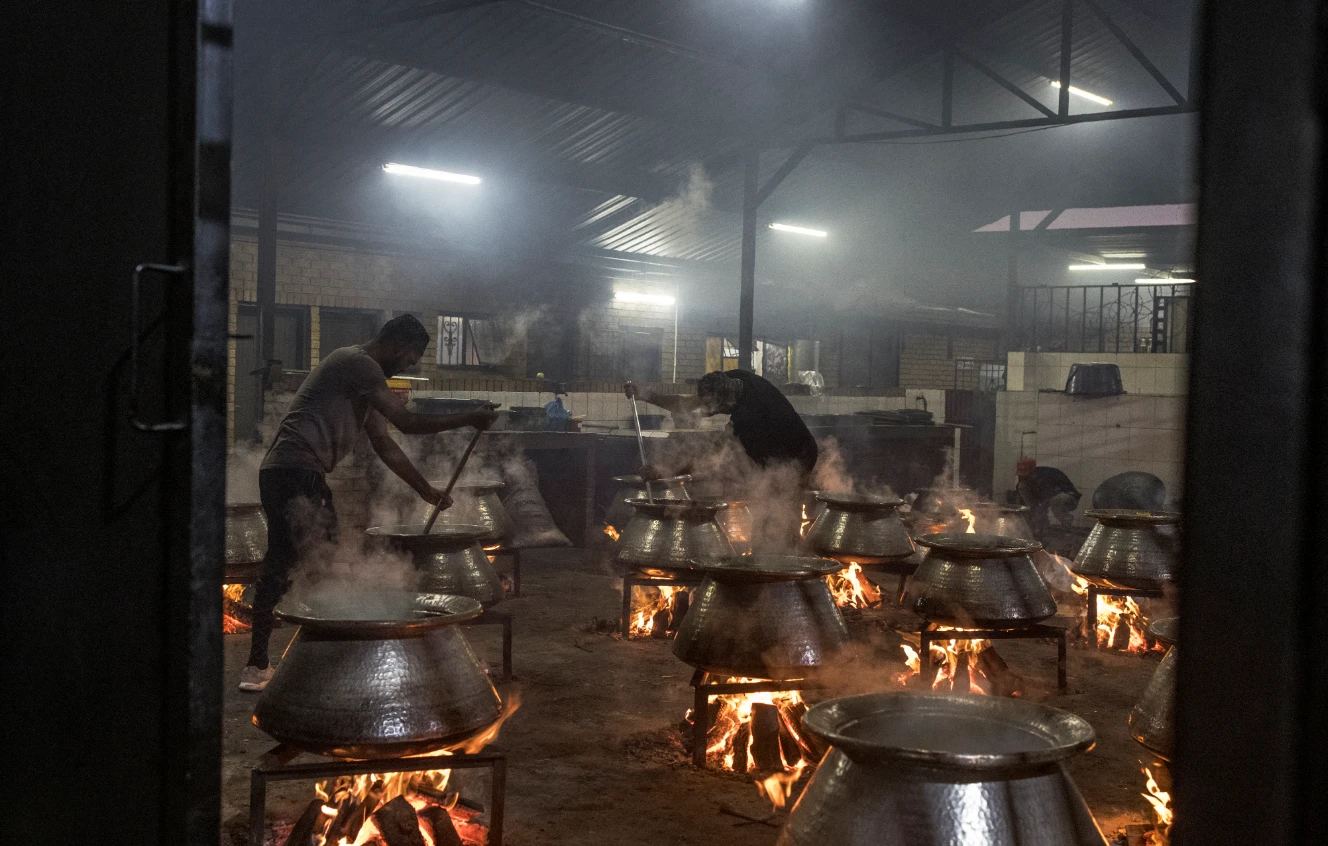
column 440, row 826
column 303, row 831
column 681, row 602
column 765, row 738
column 999, row 677
column 397, row 824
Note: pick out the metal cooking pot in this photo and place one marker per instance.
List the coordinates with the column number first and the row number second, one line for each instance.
column 376, row 674
column 474, row 504
column 913, row 769
column 1008, row 520
column 633, row 487
column 1134, row 549
column 736, row 521
column 979, row 580
column 860, row 527
column 665, row 538
column 246, row 540
column 1152, row 720
column 762, row 616
column 450, row 559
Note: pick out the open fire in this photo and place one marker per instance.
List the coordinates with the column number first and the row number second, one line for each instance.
column 658, row 611
column 760, row 734
column 387, row 809
column 966, row 666
column 1121, row 625
column 967, row 515
column 806, row 522
column 613, row 533
column 1160, row 800
column 851, row 589
column 234, row 613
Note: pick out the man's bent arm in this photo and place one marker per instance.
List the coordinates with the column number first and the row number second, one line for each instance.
column 669, row 402
column 408, row 422
column 394, row 457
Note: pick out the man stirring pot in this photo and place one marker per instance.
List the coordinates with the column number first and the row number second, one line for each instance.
column 763, row 421
column 346, row 393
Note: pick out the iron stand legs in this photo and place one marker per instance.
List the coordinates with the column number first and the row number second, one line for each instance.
column 498, row 617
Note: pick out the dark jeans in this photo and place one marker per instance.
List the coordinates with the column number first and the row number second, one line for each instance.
column 298, row 506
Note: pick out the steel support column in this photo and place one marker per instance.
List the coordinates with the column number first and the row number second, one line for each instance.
column 268, row 205
column 1250, row 731
column 747, row 295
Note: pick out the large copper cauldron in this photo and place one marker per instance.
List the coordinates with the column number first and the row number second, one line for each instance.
column 979, row 580
column 663, row 538
column 634, row 487
column 1009, row 520
column 246, row 541
column 911, row 769
column 474, row 504
column 1153, row 718
column 1133, row 549
column 762, row 616
column 450, row 559
column 375, row 673
column 736, row 521
column 860, row 527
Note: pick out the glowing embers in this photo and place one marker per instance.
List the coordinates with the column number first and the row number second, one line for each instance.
column 1160, row 801
column 965, row 660
column 236, row 613
column 612, row 533
column 851, row 589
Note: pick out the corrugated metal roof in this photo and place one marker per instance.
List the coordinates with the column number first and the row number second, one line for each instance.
column 631, row 97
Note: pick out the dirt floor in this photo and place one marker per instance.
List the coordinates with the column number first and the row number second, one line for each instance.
column 594, row 752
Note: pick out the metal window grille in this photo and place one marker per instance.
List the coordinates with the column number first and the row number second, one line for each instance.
column 1102, row 318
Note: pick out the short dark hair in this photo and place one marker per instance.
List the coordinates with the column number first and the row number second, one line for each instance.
column 711, row 383
column 404, row 327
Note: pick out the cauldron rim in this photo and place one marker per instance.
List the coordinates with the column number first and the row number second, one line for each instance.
column 449, row 609
column 767, row 567
column 1133, row 517
column 855, row 502
column 966, row 545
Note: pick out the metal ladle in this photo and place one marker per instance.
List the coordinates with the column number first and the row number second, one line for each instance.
column 456, row 474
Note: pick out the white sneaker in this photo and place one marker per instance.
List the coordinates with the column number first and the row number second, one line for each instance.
column 253, row 679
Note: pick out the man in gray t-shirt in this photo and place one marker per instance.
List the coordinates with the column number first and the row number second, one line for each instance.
column 346, row 393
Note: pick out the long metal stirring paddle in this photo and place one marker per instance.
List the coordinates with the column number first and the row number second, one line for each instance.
column 456, row 474
column 641, row 445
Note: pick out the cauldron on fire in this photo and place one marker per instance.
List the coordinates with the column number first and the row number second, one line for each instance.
column 762, row 616
column 1132, row 549
column 475, row 504
column 860, row 527
column 1152, row 720
column 979, row 580
column 377, row 673
column 634, row 487
column 911, row 769
column 665, row 537
column 450, row 559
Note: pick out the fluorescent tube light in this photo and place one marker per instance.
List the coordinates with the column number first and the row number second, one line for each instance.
column 1109, row 266
column 1164, row 281
column 428, row 173
column 1087, row 95
column 637, row 297
column 801, row 230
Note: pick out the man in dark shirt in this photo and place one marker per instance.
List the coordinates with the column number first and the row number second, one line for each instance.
column 763, row 420
column 1047, row 492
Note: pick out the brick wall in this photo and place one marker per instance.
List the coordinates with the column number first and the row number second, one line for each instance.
column 927, row 359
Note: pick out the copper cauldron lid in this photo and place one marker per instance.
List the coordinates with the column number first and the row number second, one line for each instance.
column 673, row 507
column 767, row 568
column 376, row 613
column 1002, row 509
column 979, row 546
column 410, row 533
column 858, row 502
column 1128, row 517
column 1165, row 631
column 949, row 731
